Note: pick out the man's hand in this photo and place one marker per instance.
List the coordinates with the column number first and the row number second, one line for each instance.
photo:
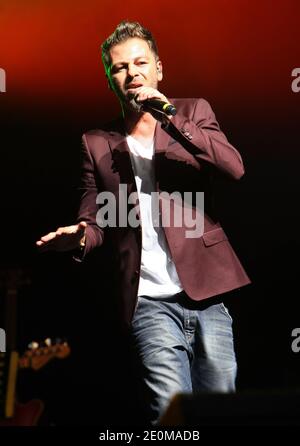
column 144, row 93
column 63, row 239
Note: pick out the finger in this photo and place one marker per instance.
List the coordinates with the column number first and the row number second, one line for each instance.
column 67, row 230
column 82, row 225
column 143, row 92
column 149, row 94
column 154, row 95
column 157, row 95
column 48, row 237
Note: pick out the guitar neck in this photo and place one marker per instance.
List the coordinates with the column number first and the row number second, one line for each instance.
column 9, row 363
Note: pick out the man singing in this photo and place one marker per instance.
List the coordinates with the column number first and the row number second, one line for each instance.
column 170, row 285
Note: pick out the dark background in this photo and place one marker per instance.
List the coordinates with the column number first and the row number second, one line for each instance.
column 238, row 55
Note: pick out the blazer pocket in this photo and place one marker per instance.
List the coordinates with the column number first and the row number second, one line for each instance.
column 213, row 237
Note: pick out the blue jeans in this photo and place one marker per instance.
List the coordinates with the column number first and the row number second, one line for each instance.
column 182, row 346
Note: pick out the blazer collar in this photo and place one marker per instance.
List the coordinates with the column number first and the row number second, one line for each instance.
column 120, row 151
column 117, row 138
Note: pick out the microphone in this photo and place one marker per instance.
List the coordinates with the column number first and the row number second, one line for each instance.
column 155, row 104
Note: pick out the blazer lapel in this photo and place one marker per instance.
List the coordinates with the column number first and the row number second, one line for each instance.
column 120, row 153
column 121, row 157
column 161, row 139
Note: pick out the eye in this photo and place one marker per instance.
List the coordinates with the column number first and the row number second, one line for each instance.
column 118, row 69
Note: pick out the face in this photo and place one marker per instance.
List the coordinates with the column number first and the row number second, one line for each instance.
column 133, row 65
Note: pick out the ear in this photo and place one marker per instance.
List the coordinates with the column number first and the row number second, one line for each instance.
column 159, row 70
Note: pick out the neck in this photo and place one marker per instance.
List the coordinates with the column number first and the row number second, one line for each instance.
column 140, row 125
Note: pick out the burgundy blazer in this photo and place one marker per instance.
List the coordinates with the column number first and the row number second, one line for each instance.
column 188, row 154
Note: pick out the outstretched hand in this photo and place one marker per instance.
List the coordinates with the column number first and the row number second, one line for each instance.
column 63, row 239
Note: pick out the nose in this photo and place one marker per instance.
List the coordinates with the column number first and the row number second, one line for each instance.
column 132, row 70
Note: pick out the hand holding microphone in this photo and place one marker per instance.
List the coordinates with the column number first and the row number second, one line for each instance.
column 160, row 106
column 149, row 99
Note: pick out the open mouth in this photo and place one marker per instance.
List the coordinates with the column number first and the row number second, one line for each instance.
column 133, row 86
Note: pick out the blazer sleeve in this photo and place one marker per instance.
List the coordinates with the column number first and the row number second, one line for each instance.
column 88, row 208
column 201, row 136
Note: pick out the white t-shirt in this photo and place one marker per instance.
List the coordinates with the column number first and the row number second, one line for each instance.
column 158, row 276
